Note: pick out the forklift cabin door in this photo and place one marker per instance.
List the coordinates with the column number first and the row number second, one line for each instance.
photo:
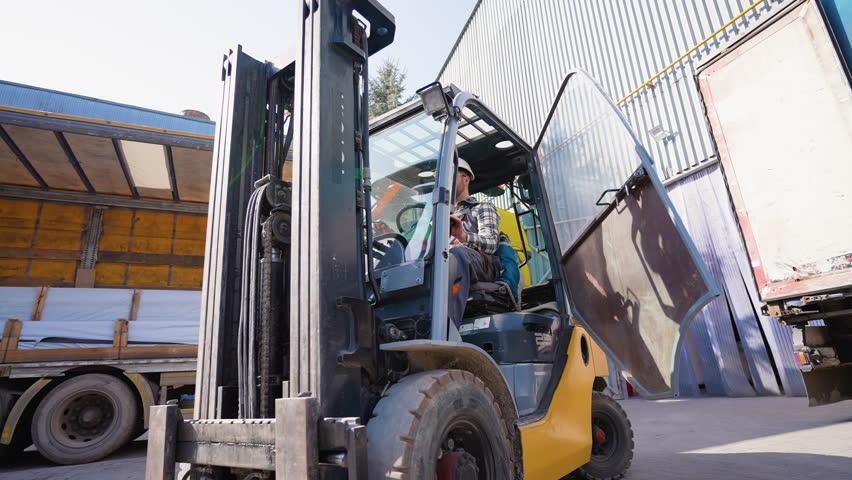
column 633, row 275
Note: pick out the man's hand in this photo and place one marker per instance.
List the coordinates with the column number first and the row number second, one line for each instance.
column 457, row 230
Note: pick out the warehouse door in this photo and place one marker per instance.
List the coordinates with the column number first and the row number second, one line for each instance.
column 634, row 278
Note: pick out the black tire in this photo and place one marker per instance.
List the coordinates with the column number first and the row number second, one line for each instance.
column 5, row 455
column 84, row 419
column 413, row 423
column 8, row 453
column 610, row 458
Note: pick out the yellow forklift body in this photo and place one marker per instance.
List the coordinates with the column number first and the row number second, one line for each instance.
column 509, row 226
column 561, row 441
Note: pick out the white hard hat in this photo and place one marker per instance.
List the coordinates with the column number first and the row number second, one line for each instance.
column 463, row 165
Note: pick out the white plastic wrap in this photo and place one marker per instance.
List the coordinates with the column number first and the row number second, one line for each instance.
column 86, row 304
column 85, row 317
column 181, row 332
column 52, row 345
column 166, row 305
column 17, row 302
column 76, row 330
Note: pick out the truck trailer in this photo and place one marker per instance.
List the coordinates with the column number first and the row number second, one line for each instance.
column 784, row 148
column 102, row 229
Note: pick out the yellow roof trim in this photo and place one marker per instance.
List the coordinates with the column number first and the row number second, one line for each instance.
column 103, row 122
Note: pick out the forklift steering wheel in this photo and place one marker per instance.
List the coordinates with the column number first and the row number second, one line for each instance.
column 381, row 244
column 389, row 249
column 399, row 225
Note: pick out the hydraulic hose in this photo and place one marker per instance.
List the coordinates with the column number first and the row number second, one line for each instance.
column 366, row 182
column 246, row 331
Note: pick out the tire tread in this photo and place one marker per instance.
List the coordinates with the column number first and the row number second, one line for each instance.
column 62, row 454
column 394, row 410
column 585, row 474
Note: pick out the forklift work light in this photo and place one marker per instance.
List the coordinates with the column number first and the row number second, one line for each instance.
column 660, row 134
column 434, row 101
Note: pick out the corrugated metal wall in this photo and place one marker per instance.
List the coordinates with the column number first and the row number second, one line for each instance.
column 514, row 55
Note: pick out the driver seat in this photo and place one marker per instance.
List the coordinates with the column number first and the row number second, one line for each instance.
column 498, row 297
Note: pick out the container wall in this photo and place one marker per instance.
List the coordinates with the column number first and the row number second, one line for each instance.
column 770, row 134
column 43, row 243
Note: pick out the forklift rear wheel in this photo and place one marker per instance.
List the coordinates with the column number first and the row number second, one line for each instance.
column 612, row 441
column 442, row 424
column 5, row 455
column 84, row 419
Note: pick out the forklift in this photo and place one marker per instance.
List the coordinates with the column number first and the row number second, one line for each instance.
column 325, row 347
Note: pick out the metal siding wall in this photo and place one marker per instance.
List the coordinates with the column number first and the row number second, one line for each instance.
column 515, row 54
column 514, row 57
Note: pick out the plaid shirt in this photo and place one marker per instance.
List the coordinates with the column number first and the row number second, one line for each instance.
column 481, row 222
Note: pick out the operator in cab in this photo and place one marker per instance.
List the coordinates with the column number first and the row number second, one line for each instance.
column 475, row 232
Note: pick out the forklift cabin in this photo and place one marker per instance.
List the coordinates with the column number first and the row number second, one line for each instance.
column 325, row 346
column 587, row 151
column 589, row 233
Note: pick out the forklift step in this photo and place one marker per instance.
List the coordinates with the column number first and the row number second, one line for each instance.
column 228, row 443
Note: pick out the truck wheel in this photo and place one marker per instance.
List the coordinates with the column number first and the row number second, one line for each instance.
column 442, row 424
column 612, row 441
column 84, row 419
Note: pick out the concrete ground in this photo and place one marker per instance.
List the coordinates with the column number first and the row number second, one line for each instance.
column 695, row 439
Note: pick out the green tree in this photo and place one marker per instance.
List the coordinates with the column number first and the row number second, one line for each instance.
column 386, row 87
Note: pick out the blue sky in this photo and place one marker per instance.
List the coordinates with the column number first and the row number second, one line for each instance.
column 166, row 55
column 426, row 31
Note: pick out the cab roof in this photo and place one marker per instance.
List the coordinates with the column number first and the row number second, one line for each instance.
column 71, row 148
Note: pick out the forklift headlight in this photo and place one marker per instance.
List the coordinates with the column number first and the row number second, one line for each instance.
column 434, row 101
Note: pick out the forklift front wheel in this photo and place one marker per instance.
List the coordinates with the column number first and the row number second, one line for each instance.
column 442, row 424
column 612, row 441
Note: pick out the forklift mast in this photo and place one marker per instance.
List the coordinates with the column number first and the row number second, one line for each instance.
column 272, row 361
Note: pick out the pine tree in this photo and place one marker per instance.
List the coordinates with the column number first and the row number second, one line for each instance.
column 386, row 88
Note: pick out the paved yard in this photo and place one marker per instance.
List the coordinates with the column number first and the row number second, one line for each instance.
column 695, row 439
column 742, row 438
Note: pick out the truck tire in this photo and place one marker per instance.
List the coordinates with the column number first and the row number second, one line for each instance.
column 612, row 451
column 441, row 424
column 84, row 419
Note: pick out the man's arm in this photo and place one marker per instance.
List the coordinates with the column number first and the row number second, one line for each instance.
column 487, row 239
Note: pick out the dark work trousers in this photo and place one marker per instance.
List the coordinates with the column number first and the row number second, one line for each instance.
column 468, row 266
